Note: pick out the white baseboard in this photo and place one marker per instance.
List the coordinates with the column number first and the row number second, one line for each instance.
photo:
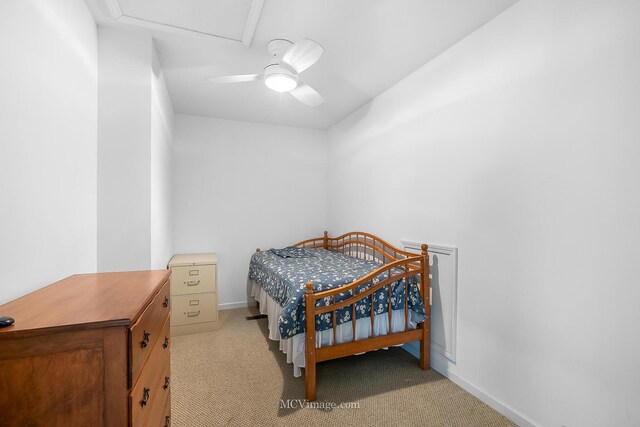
column 439, row 363
column 232, row 305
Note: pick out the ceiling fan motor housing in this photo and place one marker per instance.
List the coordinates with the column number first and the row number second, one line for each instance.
column 278, row 47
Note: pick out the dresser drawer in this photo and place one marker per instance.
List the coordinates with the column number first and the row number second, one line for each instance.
column 193, row 279
column 146, row 331
column 194, row 308
column 166, row 414
column 161, row 408
column 151, row 390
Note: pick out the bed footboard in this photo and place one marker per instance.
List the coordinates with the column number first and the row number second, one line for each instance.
column 397, row 265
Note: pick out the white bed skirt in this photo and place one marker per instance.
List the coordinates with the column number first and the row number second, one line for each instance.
column 294, row 347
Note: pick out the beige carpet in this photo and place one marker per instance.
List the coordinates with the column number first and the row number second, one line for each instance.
column 237, row 376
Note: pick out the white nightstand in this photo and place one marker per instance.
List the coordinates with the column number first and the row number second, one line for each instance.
column 194, row 293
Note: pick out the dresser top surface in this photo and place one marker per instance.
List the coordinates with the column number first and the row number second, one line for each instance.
column 100, row 299
column 181, row 260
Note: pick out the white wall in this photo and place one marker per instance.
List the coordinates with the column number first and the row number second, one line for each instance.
column 162, row 117
column 520, row 145
column 135, row 122
column 124, row 150
column 241, row 185
column 48, row 137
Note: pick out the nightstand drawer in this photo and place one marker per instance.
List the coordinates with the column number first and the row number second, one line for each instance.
column 193, row 279
column 194, row 308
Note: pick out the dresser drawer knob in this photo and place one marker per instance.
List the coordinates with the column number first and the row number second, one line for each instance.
column 145, row 396
column 165, row 344
column 145, row 339
column 193, row 313
column 167, row 421
column 165, row 303
column 166, row 383
column 193, row 282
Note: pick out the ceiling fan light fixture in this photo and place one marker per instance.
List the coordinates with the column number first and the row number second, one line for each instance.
column 280, row 82
column 279, row 78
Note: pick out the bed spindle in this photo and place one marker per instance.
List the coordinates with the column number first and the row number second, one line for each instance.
column 353, row 318
column 335, row 341
column 406, row 303
column 372, row 315
column 390, row 311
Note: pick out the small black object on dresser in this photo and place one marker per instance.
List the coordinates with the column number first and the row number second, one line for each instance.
column 6, row 321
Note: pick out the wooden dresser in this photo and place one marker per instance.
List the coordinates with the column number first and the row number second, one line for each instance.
column 194, row 293
column 89, row 350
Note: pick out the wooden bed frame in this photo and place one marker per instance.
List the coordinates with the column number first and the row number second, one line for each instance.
column 403, row 264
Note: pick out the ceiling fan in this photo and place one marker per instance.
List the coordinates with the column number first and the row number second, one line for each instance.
column 288, row 60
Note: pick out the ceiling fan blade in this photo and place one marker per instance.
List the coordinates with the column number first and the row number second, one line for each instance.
column 303, row 54
column 235, row 79
column 307, row 95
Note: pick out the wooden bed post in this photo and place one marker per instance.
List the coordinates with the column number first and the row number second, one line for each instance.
column 310, row 345
column 326, row 240
column 426, row 330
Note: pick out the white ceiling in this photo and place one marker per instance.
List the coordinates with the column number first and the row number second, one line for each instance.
column 203, row 16
column 369, row 46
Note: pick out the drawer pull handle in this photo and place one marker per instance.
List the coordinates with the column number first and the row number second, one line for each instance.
column 165, row 303
column 166, row 383
column 193, row 282
column 145, row 339
column 145, row 397
column 193, row 313
column 166, row 342
column 167, row 421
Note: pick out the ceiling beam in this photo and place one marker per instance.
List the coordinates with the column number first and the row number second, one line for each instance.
column 152, row 25
column 114, row 12
column 113, row 8
column 252, row 22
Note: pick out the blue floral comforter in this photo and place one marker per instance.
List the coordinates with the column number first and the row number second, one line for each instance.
column 283, row 274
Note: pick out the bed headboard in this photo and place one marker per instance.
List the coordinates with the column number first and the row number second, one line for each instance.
column 360, row 245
